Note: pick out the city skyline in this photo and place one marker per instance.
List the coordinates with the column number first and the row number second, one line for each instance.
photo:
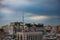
column 38, row 11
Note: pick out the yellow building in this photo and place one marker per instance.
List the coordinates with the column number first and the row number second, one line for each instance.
column 58, row 32
column 58, row 29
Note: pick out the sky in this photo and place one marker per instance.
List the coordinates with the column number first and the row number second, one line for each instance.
column 46, row 12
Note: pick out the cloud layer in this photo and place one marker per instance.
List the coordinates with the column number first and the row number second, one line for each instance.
column 38, row 11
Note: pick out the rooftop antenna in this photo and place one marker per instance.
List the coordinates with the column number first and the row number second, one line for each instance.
column 23, row 16
column 23, row 19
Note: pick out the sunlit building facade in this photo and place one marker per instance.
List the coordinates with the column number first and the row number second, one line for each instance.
column 58, row 32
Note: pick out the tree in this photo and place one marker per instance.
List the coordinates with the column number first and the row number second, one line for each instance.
column 29, row 25
column 39, row 25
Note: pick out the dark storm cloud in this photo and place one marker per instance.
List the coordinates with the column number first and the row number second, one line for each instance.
column 40, row 7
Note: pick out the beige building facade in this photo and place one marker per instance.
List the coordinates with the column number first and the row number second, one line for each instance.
column 29, row 36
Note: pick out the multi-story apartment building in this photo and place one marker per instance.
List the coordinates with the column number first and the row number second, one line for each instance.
column 58, row 32
column 17, row 26
column 1, row 34
column 29, row 36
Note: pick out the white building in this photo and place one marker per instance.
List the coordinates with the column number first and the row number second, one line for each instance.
column 10, row 29
column 29, row 36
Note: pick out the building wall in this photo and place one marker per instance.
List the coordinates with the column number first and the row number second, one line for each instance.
column 1, row 34
column 58, row 29
column 29, row 36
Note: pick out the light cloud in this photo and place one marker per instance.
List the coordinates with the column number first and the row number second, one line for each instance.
column 17, row 2
column 38, row 17
column 54, row 16
column 6, row 11
column 41, row 18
